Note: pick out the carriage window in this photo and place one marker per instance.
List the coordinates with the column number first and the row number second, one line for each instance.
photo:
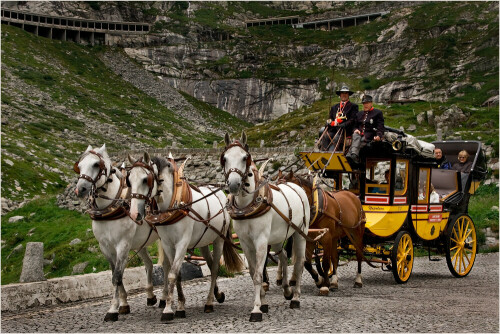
column 378, row 174
column 423, row 185
column 350, row 181
column 401, row 177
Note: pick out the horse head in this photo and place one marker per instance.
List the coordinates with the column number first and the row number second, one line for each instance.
column 142, row 179
column 93, row 168
column 236, row 162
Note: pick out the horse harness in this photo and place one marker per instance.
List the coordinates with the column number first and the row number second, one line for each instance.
column 181, row 206
column 262, row 200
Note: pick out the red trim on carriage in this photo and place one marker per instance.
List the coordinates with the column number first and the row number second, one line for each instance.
column 377, row 199
column 435, row 208
column 419, row 208
column 435, row 218
column 399, row 200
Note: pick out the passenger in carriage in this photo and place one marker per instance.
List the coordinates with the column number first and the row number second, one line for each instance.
column 442, row 162
column 342, row 116
column 463, row 165
column 369, row 126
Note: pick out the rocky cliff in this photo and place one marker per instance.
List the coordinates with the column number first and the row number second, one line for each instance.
column 431, row 51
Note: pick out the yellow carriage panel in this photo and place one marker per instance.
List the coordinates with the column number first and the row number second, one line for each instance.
column 429, row 225
column 318, row 160
column 385, row 220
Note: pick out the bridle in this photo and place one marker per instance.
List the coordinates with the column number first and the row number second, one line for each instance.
column 151, row 179
column 244, row 175
column 103, row 170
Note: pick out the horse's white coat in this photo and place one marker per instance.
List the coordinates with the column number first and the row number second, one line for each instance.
column 177, row 238
column 116, row 237
column 256, row 234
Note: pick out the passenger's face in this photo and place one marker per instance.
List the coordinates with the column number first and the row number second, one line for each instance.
column 344, row 96
column 438, row 154
column 462, row 158
column 367, row 106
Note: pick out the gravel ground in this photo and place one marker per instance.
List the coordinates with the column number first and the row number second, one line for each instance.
column 432, row 301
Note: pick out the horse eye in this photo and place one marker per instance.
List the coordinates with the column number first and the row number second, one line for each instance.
column 145, row 180
column 96, row 164
column 244, row 158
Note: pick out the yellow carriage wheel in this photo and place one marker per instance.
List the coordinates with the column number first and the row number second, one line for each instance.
column 461, row 246
column 402, row 257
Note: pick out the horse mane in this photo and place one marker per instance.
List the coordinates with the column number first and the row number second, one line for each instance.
column 305, row 180
column 161, row 163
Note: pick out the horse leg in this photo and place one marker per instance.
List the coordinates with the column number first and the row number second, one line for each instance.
column 299, row 247
column 112, row 314
column 327, row 257
column 265, row 279
column 119, row 303
column 283, row 263
column 334, row 282
column 358, row 283
column 308, row 264
column 173, row 276
column 167, row 260
column 180, row 312
column 213, row 262
column 279, row 274
column 261, row 253
column 148, row 264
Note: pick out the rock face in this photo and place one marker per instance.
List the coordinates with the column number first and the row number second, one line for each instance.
column 251, row 99
column 33, row 263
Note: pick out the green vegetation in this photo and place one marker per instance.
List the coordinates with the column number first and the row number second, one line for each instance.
column 73, row 86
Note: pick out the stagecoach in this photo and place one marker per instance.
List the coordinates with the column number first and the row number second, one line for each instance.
column 408, row 201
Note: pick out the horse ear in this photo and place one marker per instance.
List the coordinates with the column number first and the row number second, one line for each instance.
column 89, row 148
column 103, row 148
column 131, row 160
column 291, row 173
column 243, row 140
column 280, row 174
column 147, row 159
column 227, row 140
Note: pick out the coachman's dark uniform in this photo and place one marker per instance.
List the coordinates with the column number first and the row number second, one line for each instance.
column 370, row 124
column 349, row 110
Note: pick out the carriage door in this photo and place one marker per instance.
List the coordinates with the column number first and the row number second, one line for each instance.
column 424, row 214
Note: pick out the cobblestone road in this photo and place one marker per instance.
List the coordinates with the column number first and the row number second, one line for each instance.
column 432, row 301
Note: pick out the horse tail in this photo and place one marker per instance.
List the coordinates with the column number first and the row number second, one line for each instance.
column 161, row 254
column 232, row 259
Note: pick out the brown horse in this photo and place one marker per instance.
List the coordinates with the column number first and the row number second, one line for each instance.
column 341, row 212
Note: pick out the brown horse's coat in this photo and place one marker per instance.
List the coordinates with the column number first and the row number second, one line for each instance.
column 341, row 212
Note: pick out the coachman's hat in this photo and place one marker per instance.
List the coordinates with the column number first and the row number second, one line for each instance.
column 344, row 89
column 367, row 98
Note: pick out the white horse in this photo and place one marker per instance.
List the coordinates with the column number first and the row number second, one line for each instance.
column 118, row 235
column 256, row 230
column 187, row 232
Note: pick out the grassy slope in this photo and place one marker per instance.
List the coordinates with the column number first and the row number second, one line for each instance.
column 74, row 79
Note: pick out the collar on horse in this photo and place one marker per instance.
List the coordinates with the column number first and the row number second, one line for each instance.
column 181, row 196
column 119, row 206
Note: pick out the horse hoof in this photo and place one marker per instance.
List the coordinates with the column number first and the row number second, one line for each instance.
column 152, row 301
column 358, row 285
column 265, row 286
column 279, row 282
column 289, row 297
column 167, row 317
column 180, row 314
column 293, row 283
column 111, row 317
column 294, row 304
column 264, row 308
column 255, row 317
column 221, row 298
column 334, row 287
column 162, row 304
column 323, row 291
column 124, row 309
column 209, row 308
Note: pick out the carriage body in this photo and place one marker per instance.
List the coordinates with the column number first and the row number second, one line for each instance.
column 402, row 209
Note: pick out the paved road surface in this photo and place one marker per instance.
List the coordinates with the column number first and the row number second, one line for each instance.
column 432, row 301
